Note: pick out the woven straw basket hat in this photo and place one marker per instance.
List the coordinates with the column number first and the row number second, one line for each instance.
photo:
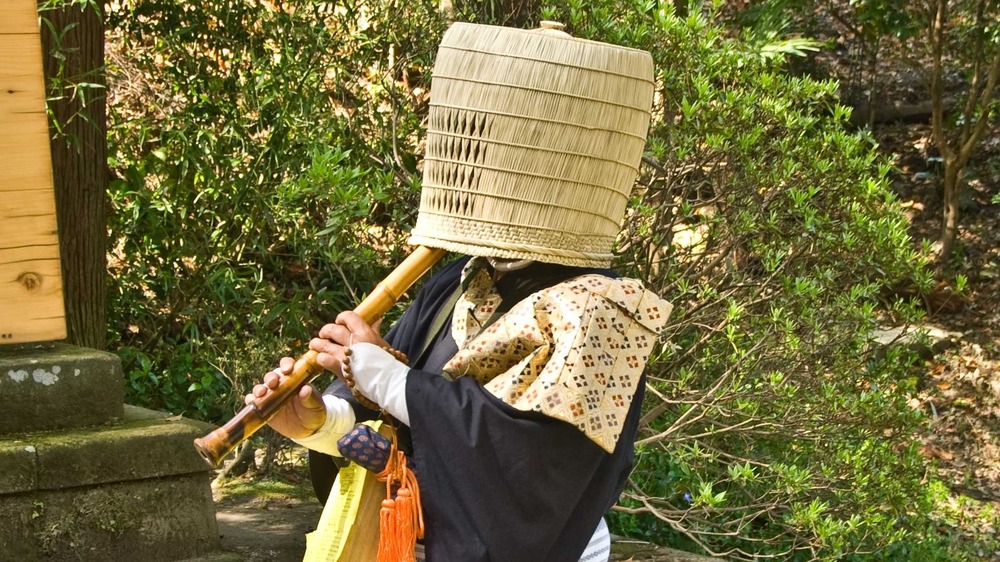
column 533, row 143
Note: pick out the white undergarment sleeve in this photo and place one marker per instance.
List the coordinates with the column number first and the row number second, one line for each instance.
column 339, row 420
column 599, row 549
column 380, row 377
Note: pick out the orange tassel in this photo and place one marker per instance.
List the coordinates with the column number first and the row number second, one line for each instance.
column 416, row 512
column 387, row 516
column 401, row 519
column 406, row 538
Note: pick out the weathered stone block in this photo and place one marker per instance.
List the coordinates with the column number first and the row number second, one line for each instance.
column 54, row 386
column 18, row 468
column 169, row 519
column 136, row 449
column 132, row 490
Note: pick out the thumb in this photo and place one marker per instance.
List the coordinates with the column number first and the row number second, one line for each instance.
column 309, row 398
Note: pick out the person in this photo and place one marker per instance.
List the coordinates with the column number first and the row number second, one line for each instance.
column 516, row 374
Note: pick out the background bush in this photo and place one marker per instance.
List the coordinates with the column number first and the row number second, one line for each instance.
column 775, row 426
column 267, row 164
column 265, row 167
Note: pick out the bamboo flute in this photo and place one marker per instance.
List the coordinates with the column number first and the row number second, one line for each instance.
column 220, row 442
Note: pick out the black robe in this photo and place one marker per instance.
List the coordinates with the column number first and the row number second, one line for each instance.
column 498, row 484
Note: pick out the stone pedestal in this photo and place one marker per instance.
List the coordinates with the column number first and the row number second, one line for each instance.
column 56, row 386
column 84, row 477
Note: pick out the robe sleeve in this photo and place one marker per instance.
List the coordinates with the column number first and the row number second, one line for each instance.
column 500, row 484
column 406, row 335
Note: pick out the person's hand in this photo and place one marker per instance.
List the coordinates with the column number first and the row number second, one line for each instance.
column 334, row 340
column 299, row 417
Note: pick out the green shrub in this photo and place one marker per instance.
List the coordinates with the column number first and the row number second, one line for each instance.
column 260, row 152
column 774, row 427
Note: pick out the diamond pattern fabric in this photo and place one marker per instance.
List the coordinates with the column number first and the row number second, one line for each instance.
column 574, row 351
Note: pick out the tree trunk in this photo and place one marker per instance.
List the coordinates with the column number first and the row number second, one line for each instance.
column 681, row 8
column 511, row 13
column 949, row 216
column 74, row 53
column 516, row 13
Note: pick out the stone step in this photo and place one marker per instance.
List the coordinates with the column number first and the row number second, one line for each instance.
column 131, row 490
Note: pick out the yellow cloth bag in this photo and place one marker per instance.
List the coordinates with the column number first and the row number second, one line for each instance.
column 348, row 529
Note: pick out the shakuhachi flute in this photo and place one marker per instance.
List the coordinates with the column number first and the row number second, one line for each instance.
column 219, row 443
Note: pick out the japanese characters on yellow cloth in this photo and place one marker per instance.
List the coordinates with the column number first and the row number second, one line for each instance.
column 574, row 351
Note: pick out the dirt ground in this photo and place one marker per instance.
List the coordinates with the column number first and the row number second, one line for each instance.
column 960, row 391
column 253, row 529
column 271, row 530
column 960, row 388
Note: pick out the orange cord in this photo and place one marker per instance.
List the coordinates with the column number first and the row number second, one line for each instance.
column 401, row 519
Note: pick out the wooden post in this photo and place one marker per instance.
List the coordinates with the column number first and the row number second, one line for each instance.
column 31, row 293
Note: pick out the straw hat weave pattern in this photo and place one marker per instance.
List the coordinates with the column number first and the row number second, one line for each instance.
column 533, row 143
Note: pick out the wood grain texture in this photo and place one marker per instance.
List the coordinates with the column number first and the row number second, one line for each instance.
column 20, row 82
column 18, row 17
column 31, row 293
column 21, row 168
